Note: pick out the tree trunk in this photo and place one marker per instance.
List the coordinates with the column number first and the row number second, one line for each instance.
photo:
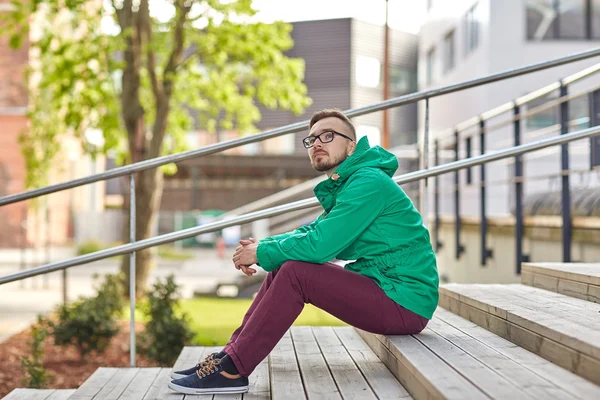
column 148, row 192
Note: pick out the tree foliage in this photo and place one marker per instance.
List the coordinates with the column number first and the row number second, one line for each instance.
column 144, row 73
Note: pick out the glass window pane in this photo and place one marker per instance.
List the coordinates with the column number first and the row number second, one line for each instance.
column 430, row 65
column 595, row 19
column 571, row 19
column 541, row 18
column 449, row 52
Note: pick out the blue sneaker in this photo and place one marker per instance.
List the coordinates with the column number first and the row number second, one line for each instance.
column 210, row 379
column 194, row 369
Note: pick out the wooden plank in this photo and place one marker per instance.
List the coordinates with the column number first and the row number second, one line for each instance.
column 29, row 394
column 568, row 333
column 117, row 384
column 573, row 289
column 438, row 378
column 259, row 384
column 141, row 383
column 409, row 381
column 564, row 356
column 575, row 310
column 318, row 382
column 578, row 272
column 552, row 373
column 378, row 376
column 286, row 383
column 158, row 389
column 92, row 385
column 594, row 294
column 522, row 380
column 61, row 394
column 347, row 376
column 485, row 378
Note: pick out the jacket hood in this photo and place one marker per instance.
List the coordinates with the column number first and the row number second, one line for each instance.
column 366, row 156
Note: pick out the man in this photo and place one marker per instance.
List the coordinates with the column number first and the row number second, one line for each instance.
column 391, row 288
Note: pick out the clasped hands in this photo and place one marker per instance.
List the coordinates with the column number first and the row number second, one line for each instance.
column 245, row 256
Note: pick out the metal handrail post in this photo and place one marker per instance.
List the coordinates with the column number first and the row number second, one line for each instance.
column 132, row 270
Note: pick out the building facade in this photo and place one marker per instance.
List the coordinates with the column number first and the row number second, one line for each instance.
column 344, row 69
column 466, row 39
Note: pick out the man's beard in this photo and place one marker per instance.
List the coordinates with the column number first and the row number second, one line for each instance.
column 328, row 163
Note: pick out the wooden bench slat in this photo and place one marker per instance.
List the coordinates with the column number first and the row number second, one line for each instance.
column 318, row 382
column 382, row 381
column 485, row 378
column 29, row 394
column 159, row 389
column 567, row 333
column 260, row 385
column 520, row 333
column 565, row 380
column 94, row 384
column 519, row 378
column 347, row 376
column 420, row 370
column 141, row 384
column 286, row 383
column 115, row 387
column 61, row 394
column 578, row 272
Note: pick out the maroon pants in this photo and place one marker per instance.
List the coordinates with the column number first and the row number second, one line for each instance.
column 351, row 297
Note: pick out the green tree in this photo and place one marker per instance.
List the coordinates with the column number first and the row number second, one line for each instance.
column 144, row 81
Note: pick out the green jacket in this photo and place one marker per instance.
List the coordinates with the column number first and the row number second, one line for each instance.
column 367, row 218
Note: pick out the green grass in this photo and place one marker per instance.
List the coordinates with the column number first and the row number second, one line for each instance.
column 214, row 320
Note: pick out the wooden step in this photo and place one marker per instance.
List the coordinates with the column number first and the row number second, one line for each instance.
column 581, row 281
column 455, row 359
column 39, row 394
column 559, row 328
column 308, row 362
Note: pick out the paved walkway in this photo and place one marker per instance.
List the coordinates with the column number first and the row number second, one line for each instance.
column 21, row 302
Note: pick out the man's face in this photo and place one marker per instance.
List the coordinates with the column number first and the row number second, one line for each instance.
column 325, row 157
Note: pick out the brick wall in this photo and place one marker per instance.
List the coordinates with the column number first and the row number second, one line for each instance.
column 13, row 100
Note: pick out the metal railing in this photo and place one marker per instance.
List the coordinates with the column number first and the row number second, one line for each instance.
column 423, row 174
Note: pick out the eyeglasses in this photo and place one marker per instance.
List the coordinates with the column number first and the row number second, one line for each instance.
column 324, row 137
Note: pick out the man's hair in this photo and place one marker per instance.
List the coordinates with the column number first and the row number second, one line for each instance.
column 332, row 113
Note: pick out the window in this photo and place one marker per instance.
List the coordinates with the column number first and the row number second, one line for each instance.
column 430, row 65
column 368, row 71
column 402, row 80
column 449, row 52
column 563, row 19
column 472, row 29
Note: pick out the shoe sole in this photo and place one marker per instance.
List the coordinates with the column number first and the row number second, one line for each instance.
column 225, row 390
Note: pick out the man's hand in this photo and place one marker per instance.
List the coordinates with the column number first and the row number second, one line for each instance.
column 245, row 268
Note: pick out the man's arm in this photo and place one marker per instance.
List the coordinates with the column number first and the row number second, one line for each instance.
column 302, row 229
column 357, row 206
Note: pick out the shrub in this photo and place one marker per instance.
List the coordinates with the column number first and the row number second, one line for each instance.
column 167, row 330
column 36, row 375
column 90, row 323
column 90, row 246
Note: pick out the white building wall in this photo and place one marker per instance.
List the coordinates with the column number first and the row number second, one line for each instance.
column 502, row 45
